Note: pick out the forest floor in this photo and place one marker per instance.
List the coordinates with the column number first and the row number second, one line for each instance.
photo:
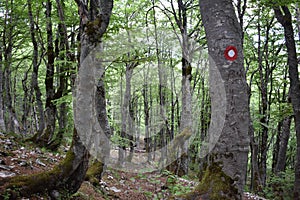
column 18, row 158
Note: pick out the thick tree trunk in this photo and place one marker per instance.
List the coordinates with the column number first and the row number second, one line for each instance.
column 283, row 15
column 94, row 22
column 226, row 171
column 96, row 169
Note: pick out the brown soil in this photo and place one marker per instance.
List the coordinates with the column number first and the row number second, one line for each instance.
column 17, row 158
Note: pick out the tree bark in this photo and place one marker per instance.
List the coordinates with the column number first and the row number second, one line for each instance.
column 65, row 178
column 256, row 183
column 162, row 94
column 298, row 19
column 44, row 138
column 2, row 122
column 63, row 53
column 147, row 114
column 284, row 17
column 126, row 128
column 96, row 169
column 283, row 145
column 35, row 71
column 12, row 123
column 263, row 140
column 94, row 22
column 225, row 175
column 186, row 120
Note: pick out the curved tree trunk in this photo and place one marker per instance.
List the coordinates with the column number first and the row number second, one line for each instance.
column 284, row 17
column 66, row 177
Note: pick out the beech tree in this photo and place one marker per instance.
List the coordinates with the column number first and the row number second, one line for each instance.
column 284, row 17
column 224, row 177
column 67, row 177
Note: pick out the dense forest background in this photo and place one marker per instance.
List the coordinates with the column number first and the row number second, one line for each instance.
column 152, row 94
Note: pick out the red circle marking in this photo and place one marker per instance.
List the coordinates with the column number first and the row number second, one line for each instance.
column 230, row 53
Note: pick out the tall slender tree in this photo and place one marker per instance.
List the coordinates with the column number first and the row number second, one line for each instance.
column 44, row 136
column 2, row 122
column 165, row 130
column 284, row 17
column 35, row 72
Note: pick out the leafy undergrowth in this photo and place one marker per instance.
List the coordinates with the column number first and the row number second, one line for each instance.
column 18, row 158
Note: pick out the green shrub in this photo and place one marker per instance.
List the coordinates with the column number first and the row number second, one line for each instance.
column 280, row 186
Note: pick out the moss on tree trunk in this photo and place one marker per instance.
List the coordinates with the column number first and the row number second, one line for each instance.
column 63, row 180
column 94, row 173
column 215, row 185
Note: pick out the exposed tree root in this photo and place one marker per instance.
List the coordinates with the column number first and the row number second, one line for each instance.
column 215, row 185
column 94, row 173
column 63, row 180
